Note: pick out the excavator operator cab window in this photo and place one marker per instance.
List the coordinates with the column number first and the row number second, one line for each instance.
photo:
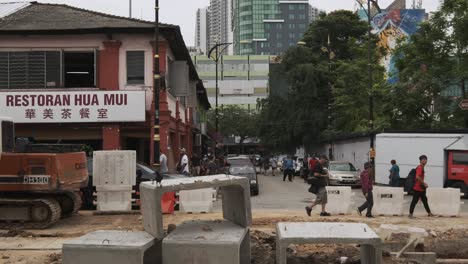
column 7, row 136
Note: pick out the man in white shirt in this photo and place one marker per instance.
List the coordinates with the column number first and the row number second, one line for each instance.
column 163, row 169
column 184, row 163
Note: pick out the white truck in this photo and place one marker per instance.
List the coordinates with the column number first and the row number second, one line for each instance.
column 447, row 157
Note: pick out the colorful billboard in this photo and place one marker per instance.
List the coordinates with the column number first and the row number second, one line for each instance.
column 392, row 25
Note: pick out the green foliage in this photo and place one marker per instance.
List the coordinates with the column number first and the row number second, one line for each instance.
column 328, row 77
column 431, row 61
column 235, row 121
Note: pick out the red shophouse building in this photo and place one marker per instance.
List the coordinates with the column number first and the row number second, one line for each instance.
column 77, row 76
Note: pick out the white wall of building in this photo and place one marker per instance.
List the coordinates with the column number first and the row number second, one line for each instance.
column 355, row 151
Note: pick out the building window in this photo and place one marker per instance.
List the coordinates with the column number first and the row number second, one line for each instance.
column 292, row 35
column 30, row 69
column 79, row 69
column 47, row 69
column 279, row 26
column 302, row 16
column 279, row 45
column 302, row 26
column 292, row 17
column 279, row 36
column 302, row 7
column 292, row 26
column 135, row 67
column 292, row 7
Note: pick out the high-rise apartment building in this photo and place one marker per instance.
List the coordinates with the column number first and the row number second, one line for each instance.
column 314, row 13
column 268, row 26
column 214, row 25
column 202, row 27
column 220, row 22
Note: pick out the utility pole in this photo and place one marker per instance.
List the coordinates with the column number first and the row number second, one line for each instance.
column 130, row 9
column 216, row 58
column 156, row 85
column 371, row 96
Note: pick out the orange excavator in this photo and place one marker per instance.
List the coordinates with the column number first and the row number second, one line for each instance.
column 39, row 184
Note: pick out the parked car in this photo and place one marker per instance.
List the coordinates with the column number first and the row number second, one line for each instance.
column 240, row 167
column 343, row 173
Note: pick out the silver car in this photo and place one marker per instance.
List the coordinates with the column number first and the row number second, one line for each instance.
column 343, row 173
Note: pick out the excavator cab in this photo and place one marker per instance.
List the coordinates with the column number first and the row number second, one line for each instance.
column 7, row 135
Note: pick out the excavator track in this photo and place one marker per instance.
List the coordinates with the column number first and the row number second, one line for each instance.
column 70, row 204
column 24, row 213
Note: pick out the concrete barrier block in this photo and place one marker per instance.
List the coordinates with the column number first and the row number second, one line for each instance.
column 110, row 246
column 329, row 233
column 114, row 198
column 196, row 201
column 406, row 233
column 207, row 242
column 444, row 201
column 388, row 201
column 114, row 167
column 235, row 194
column 339, row 199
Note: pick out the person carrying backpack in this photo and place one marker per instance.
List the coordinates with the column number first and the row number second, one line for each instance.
column 419, row 188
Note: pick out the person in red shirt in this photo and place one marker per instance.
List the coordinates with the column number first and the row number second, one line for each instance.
column 419, row 188
column 366, row 186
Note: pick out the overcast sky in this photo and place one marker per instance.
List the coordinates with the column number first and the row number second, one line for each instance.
column 182, row 12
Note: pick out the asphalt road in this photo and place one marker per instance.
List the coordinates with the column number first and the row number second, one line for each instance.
column 276, row 195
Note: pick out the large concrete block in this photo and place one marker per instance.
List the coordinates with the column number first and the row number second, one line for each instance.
column 406, row 233
column 114, row 198
column 235, row 193
column 339, row 199
column 197, row 201
column 114, row 167
column 113, row 247
column 207, row 242
column 388, row 201
column 444, row 201
column 329, row 233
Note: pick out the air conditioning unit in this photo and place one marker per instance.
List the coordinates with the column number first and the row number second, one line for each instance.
column 198, row 140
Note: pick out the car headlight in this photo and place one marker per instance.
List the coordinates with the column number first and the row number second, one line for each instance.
column 253, row 181
column 333, row 177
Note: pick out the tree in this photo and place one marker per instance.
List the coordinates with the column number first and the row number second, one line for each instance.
column 429, row 63
column 328, row 85
column 235, row 121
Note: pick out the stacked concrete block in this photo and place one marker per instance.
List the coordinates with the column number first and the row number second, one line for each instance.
column 226, row 241
column 207, row 242
column 388, row 201
column 116, row 247
column 339, row 199
column 114, row 174
column 197, row 201
column 235, row 198
column 329, row 233
column 444, row 201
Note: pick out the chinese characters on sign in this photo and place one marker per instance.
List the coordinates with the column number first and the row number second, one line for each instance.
column 69, row 107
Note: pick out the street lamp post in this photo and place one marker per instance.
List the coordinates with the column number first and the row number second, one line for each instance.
column 369, row 67
column 156, row 86
column 216, row 57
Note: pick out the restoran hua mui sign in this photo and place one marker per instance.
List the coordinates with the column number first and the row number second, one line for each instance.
column 73, row 107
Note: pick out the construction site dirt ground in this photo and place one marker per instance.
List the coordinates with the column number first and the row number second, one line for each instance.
column 449, row 236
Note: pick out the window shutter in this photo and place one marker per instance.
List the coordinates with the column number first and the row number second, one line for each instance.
column 135, row 67
column 52, row 69
column 18, row 70
column 36, row 69
column 3, row 70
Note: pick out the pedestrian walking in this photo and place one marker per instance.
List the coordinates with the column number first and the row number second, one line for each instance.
column 312, row 163
column 367, row 182
column 196, row 163
column 305, row 168
column 288, row 168
column 394, row 174
column 184, row 167
column 318, row 187
column 274, row 165
column 419, row 188
column 163, row 169
column 266, row 165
